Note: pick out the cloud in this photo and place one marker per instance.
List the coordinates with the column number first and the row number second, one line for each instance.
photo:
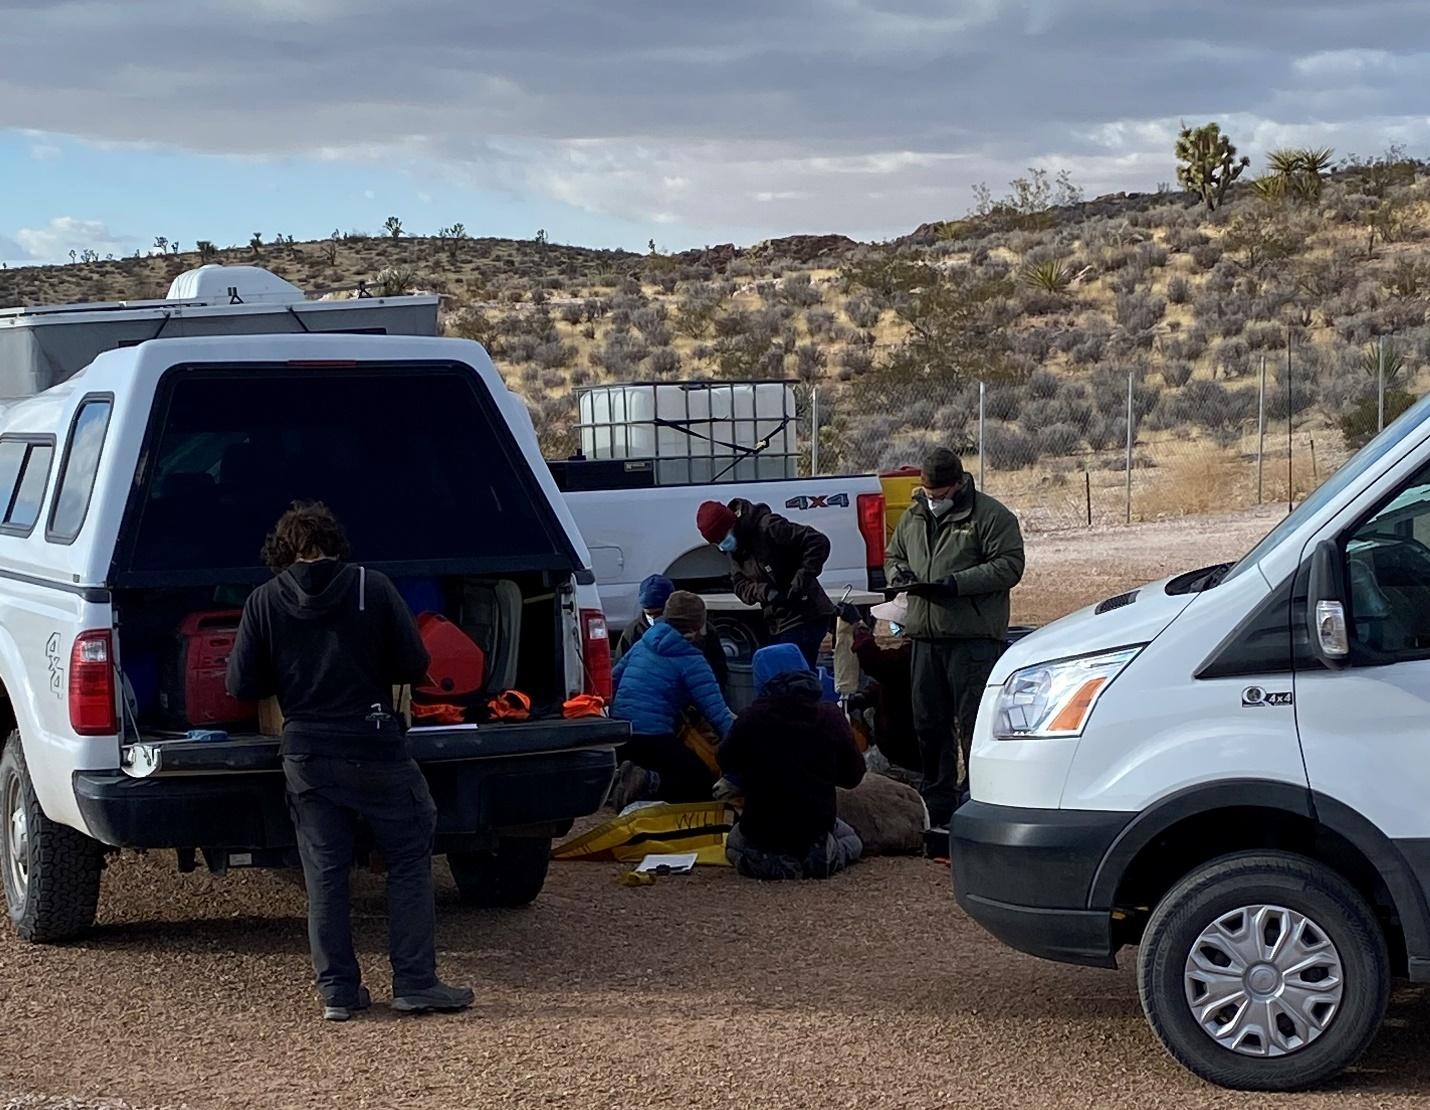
column 54, row 241
column 861, row 115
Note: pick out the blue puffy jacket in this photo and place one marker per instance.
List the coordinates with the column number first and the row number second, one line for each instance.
column 662, row 675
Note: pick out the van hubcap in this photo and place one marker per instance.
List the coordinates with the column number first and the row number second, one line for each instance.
column 17, row 837
column 1264, row 980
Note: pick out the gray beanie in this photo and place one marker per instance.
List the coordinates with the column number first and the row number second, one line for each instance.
column 685, row 612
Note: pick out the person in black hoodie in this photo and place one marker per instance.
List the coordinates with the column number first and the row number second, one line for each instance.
column 330, row 640
column 787, row 752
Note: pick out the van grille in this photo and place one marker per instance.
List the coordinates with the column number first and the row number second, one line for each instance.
column 1116, row 602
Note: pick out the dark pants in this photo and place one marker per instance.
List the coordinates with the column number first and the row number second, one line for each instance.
column 327, row 797
column 949, row 677
column 808, row 637
column 830, row 855
column 684, row 777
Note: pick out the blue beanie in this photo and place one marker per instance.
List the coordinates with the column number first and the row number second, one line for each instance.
column 775, row 660
column 656, row 591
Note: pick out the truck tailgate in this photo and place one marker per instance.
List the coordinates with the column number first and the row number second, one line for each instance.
column 426, row 745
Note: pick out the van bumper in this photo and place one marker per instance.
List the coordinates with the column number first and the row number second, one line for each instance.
column 475, row 800
column 1025, row 876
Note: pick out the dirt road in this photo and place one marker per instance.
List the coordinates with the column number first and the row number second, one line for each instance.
column 869, row 991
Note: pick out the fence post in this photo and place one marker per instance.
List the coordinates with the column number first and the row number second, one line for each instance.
column 1380, row 387
column 982, row 391
column 1130, row 436
column 814, row 431
column 1290, row 446
column 1087, row 489
column 1261, row 429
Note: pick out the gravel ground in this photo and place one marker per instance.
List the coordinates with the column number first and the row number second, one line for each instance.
column 869, row 991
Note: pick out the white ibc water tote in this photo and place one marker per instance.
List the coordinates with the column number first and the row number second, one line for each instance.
column 695, row 431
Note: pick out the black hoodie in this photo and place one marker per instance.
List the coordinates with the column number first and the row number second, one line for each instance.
column 330, row 640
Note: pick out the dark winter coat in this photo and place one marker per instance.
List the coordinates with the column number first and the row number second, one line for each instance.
column 659, row 678
column 974, row 555
column 891, row 668
column 776, row 565
column 329, row 640
column 710, row 647
column 789, row 750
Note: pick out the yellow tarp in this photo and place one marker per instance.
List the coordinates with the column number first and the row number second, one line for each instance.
column 698, row 827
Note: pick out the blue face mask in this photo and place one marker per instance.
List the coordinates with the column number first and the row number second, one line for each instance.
column 896, row 629
column 727, row 545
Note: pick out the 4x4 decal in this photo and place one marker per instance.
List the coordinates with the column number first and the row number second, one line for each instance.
column 57, row 673
column 819, row 501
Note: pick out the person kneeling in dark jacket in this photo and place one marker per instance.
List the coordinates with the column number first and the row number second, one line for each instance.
column 788, row 751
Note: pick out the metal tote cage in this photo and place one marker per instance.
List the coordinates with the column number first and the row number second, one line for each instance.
column 697, row 432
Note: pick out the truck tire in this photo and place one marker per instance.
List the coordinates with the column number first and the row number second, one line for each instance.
column 1291, row 952
column 51, row 871
column 510, row 876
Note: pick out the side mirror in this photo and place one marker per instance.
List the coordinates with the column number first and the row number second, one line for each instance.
column 1326, row 606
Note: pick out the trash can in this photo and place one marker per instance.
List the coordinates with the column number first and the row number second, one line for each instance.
column 740, row 689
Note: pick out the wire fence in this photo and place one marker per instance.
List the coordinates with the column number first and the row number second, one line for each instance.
column 1114, row 445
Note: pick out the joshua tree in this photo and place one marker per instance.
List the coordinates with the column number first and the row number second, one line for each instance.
column 1207, row 163
column 74, row 254
column 393, row 227
column 541, row 237
column 161, row 244
column 255, row 244
column 206, row 250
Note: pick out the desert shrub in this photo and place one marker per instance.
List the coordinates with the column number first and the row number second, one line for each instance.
column 1058, row 439
column 554, row 356
column 573, row 313
column 1106, row 432
column 1139, row 312
column 582, row 375
column 1189, row 346
column 662, row 362
column 1176, row 373
column 530, row 377
column 596, row 307
column 856, row 361
column 520, row 347
column 1360, row 422
column 1222, row 279
column 1206, row 255
column 620, row 319
column 553, row 379
column 1179, row 289
column 862, row 313
column 810, row 361
column 1233, row 357
column 588, row 330
column 621, row 354
column 1148, row 256
column 1091, row 350
column 1264, row 336
column 798, row 290
column 1002, row 402
column 820, row 322
column 1034, row 344
column 651, row 323
column 1008, row 447
column 1213, row 406
column 1180, row 240
column 732, row 323
column 1043, row 384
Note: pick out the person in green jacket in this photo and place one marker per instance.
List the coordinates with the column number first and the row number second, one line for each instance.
column 957, row 553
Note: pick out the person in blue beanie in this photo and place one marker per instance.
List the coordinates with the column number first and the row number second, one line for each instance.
column 655, row 591
column 789, row 751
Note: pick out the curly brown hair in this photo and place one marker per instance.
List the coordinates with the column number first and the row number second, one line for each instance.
column 307, row 530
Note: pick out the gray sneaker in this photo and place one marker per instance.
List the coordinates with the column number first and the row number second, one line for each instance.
column 438, row 996
column 632, row 784
column 343, row 1013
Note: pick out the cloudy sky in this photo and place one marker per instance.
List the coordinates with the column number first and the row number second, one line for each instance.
column 616, row 122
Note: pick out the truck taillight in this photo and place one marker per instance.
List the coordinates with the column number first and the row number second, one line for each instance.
column 871, row 527
column 596, row 652
column 92, row 684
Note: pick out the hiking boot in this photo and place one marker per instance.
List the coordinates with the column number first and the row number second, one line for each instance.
column 438, row 996
column 332, row 1012
column 632, row 784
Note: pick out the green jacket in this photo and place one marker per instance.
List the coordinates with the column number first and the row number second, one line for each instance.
column 979, row 546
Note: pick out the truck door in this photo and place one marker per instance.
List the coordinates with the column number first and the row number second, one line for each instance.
column 1365, row 727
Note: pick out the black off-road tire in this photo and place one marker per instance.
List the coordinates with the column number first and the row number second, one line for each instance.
column 1264, row 878
column 64, row 868
column 511, row 876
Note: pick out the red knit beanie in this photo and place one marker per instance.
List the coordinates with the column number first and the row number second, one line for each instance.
column 714, row 521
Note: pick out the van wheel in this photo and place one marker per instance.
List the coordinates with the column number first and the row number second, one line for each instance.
column 51, row 871
column 513, row 875
column 1264, row 971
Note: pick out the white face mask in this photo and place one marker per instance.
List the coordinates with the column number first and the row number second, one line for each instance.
column 941, row 506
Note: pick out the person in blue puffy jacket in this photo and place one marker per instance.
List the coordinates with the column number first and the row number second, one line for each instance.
column 662, row 676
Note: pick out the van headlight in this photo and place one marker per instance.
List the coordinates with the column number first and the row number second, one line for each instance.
column 1056, row 699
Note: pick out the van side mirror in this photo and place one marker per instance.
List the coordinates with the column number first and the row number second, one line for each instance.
column 1326, row 605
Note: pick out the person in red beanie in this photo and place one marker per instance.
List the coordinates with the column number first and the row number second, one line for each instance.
column 775, row 564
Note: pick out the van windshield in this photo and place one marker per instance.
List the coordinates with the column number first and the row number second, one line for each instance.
column 416, row 461
column 1358, row 464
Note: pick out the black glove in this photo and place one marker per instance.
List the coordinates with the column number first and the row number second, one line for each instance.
column 903, row 576
column 772, row 596
column 848, row 614
column 944, row 588
column 950, row 586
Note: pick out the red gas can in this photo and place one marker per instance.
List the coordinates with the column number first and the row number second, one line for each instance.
column 459, row 666
column 196, row 695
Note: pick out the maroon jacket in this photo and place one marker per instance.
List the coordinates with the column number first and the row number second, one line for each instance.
column 892, row 668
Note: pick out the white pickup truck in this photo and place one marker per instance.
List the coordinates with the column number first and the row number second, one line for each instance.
column 136, row 497
column 635, row 532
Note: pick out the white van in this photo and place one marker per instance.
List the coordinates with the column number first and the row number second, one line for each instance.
column 1231, row 769
column 134, row 500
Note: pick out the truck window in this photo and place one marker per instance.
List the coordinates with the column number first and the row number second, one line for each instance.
column 1388, row 562
column 417, row 461
column 77, row 472
column 24, row 473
